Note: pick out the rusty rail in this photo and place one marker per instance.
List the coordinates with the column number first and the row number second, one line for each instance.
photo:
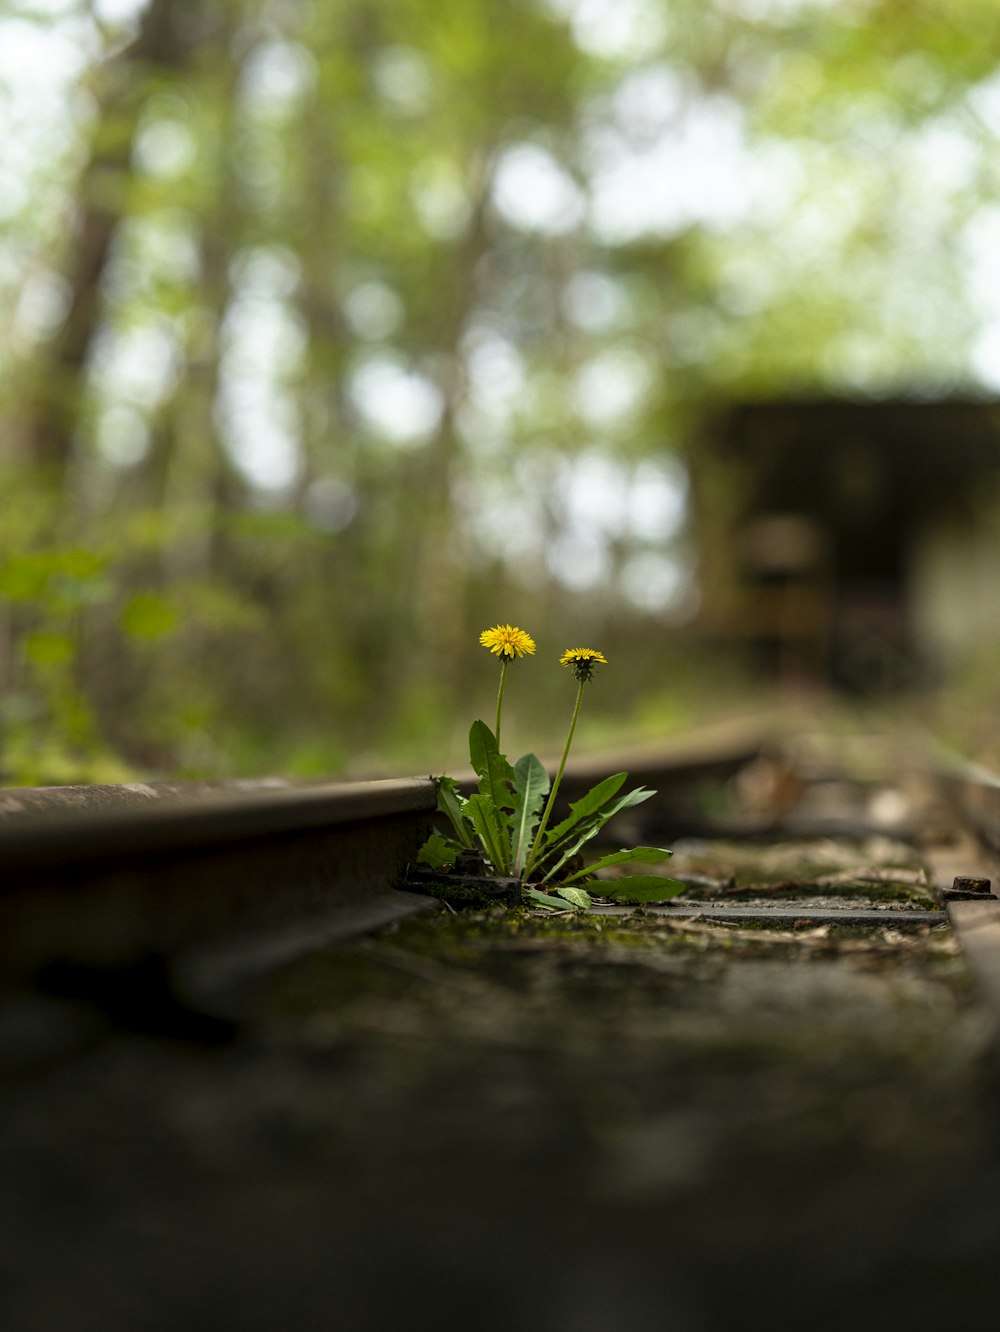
column 104, row 875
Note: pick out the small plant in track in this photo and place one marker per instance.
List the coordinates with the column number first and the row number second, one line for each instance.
column 507, row 820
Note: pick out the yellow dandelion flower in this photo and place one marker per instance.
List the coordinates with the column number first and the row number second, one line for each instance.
column 507, row 641
column 583, row 661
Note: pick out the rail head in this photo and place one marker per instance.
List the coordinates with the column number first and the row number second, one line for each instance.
column 44, row 828
column 105, row 876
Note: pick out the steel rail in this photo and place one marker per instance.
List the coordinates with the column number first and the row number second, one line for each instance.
column 866, row 918
column 104, row 876
column 255, row 871
column 244, row 872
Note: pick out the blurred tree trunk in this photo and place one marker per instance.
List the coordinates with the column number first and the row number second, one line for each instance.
column 199, row 484
column 186, row 477
column 434, row 575
column 47, row 432
column 356, row 564
column 43, row 440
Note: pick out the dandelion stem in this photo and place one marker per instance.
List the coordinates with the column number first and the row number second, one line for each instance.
column 555, row 785
column 503, row 677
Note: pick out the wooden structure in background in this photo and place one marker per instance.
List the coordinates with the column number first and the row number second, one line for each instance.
column 855, row 542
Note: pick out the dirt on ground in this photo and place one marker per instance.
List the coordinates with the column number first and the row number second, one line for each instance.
column 511, row 1121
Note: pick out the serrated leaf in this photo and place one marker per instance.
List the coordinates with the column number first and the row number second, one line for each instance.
column 634, row 797
column 451, row 803
column 577, row 838
column 578, row 896
column 438, row 852
column 490, row 766
column 531, row 786
column 649, row 855
column 569, row 843
column 639, row 888
column 588, row 804
column 587, row 816
column 492, row 831
column 567, row 850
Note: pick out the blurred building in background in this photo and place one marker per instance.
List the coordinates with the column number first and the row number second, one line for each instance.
column 851, row 542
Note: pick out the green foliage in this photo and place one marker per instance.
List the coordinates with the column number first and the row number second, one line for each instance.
column 490, row 826
column 53, row 579
column 636, row 889
column 486, row 816
column 148, row 617
column 531, row 786
column 45, row 648
column 565, row 841
column 495, row 773
column 438, row 852
column 354, row 211
column 572, row 899
column 502, row 818
column 450, row 802
column 647, row 854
